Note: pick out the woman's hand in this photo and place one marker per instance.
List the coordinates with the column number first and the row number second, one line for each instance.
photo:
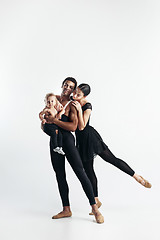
column 77, row 105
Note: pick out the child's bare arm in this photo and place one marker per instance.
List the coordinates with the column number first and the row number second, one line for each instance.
column 41, row 114
column 60, row 113
column 60, row 109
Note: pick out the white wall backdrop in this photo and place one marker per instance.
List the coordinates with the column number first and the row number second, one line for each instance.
column 114, row 47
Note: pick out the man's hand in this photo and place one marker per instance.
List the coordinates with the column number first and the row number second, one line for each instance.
column 49, row 119
column 73, row 120
column 47, row 110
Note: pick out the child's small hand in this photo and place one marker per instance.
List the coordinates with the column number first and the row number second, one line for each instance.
column 59, row 107
column 59, row 115
column 62, row 111
column 47, row 110
column 44, row 121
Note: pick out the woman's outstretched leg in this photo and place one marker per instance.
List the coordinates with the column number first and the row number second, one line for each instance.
column 108, row 156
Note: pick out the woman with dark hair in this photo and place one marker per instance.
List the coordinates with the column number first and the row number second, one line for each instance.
column 90, row 143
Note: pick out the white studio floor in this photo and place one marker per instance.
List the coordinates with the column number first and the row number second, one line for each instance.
column 124, row 223
column 29, row 200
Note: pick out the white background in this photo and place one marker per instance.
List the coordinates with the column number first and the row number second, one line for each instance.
column 114, row 47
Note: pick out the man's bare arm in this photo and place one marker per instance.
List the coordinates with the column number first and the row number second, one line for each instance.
column 73, row 121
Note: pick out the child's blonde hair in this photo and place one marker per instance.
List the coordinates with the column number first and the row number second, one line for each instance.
column 50, row 95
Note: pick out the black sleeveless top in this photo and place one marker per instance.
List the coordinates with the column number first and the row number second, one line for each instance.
column 64, row 118
column 88, row 141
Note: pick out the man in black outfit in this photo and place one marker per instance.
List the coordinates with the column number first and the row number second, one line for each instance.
column 69, row 123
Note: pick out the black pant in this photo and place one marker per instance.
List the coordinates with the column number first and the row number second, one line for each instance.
column 54, row 132
column 73, row 157
column 108, row 156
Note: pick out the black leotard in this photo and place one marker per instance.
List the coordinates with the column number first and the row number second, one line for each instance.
column 90, row 144
column 88, row 141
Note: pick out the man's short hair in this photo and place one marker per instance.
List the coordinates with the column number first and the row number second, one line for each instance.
column 72, row 80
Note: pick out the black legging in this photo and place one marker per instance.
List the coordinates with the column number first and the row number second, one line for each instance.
column 108, row 156
column 73, row 157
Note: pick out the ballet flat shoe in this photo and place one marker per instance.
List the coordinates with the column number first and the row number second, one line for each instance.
column 99, row 204
column 99, row 218
column 62, row 215
column 146, row 183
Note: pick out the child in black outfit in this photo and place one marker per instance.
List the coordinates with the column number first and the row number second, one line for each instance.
column 54, row 106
